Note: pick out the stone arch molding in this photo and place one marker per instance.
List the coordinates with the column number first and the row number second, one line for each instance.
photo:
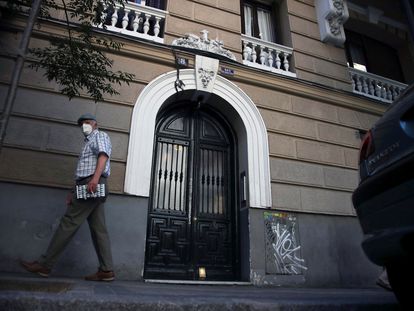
column 139, row 161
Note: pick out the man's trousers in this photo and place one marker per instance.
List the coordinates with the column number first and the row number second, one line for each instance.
column 78, row 211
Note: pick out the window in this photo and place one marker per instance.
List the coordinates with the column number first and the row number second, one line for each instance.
column 369, row 55
column 159, row 4
column 259, row 20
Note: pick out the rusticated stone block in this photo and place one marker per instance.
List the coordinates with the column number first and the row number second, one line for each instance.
column 296, row 172
column 289, row 124
column 341, row 178
column 323, row 153
column 282, row 145
column 338, row 135
column 314, row 109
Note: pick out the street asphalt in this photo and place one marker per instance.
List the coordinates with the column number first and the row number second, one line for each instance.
column 29, row 292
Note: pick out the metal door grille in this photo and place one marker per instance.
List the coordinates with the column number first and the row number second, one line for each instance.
column 171, row 179
column 212, row 182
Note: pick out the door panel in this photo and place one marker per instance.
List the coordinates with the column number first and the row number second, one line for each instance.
column 191, row 217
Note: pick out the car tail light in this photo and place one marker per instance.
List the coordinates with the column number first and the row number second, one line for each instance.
column 367, row 147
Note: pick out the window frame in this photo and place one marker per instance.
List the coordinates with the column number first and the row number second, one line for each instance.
column 160, row 5
column 348, row 47
column 271, row 8
column 362, row 41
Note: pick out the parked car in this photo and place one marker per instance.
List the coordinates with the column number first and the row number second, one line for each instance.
column 384, row 199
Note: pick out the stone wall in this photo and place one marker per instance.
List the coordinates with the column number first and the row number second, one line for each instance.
column 43, row 140
column 29, row 215
column 314, row 60
column 328, row 252
column 313, row 147
column 221, row 18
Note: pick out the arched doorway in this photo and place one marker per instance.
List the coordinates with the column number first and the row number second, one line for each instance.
column 192, row 220
column 147, row 107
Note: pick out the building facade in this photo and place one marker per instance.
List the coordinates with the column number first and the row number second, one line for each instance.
column 235, row 149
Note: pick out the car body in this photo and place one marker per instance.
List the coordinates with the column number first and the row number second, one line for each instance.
column 384, row 199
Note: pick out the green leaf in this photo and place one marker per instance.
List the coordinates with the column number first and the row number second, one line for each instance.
column 78, row 62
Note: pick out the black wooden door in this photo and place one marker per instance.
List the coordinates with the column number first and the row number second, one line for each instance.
column 192, row 211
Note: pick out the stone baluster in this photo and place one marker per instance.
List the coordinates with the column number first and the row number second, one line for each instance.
column 392, row 91
column 136, row 22
column 270, row 58
column 245, row 51
column 254, row 54
column 285, row 62
column 377, row 89
column 358, row 84
column 380, row 88
column 114, row 18
column 262, row 55
column 278, row 62
column 125, row 19
column 146, row 24
column 389, row 93
column 395, row 93
column 365, row 85
column 371, row 87
column 353, row 78
column 157, row 26
column 384, row 91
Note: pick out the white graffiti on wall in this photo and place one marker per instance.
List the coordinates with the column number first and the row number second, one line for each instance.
column 282, row 248
column 285, row 252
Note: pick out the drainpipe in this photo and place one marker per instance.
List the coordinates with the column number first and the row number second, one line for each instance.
column 18, row 66
column 410, row 16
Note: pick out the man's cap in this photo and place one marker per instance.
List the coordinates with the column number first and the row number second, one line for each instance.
column 86, row 116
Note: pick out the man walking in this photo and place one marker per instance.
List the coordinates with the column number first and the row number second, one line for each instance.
column 92, row 170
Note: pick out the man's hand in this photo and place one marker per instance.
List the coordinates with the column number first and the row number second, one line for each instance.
column 100, row 166
column 93, row 184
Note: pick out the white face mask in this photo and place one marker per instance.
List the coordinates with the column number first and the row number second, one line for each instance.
column 86, row 129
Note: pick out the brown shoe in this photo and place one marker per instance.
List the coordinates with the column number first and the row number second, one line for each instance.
column 106, row 276
column 36, row 267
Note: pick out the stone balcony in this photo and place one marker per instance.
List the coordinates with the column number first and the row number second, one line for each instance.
column 376, row 87
column 137, row 20
column 267, row 56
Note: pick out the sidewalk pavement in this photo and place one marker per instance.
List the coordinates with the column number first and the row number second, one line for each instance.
column 29, row 292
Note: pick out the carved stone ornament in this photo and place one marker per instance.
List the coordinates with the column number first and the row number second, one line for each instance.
column 203, row 43
column 336, row 19
column 206, row 69
column 205, row 76
column 332, row 14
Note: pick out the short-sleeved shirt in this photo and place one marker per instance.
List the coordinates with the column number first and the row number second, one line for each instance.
column 95, row 143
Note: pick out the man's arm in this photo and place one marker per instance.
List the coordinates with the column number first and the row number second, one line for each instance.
column 100, row 166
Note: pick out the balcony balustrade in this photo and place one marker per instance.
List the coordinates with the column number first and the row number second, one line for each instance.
column 376, row 87
column 137, row 20
column 267, row 56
